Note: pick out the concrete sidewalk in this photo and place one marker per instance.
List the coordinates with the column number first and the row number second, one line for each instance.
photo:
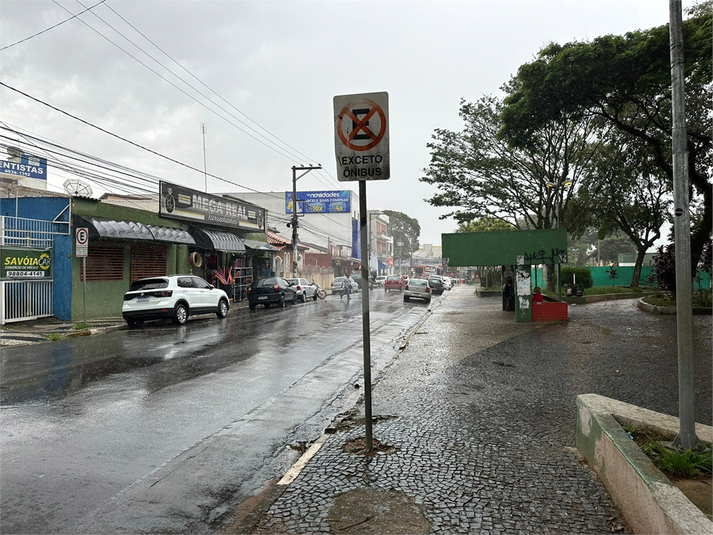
column 475, row 426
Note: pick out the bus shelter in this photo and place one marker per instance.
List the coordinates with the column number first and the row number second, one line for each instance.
column 521, row 248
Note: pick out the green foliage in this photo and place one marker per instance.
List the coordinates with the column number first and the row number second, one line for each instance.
column 485, row 224
column 625, row 82
column 583, row 275
column 678, row 462
column 482, row 176
column 403, row 229
column 81, row 326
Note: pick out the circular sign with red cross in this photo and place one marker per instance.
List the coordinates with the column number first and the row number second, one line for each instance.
column 361, row 137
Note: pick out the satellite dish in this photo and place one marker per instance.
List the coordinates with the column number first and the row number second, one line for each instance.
column 77, row 188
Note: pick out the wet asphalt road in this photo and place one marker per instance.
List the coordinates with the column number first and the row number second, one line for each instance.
column 86, row 421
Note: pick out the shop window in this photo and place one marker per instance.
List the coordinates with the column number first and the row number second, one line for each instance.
column 147, row 260
column 104, row 263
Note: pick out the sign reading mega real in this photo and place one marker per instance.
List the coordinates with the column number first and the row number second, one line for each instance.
column 29, row 166
column 179, row 202
column 361, row 136
column 319, row 202
column 26, row 264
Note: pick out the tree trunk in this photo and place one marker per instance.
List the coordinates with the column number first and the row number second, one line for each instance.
column 640, row 254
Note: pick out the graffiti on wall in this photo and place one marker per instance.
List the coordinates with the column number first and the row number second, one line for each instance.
column 555, row 256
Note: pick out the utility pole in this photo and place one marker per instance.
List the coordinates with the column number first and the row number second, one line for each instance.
column 294, row 223
column 205, row 168
column 682, row 235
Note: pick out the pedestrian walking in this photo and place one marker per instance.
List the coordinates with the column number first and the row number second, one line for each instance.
column 347, row 288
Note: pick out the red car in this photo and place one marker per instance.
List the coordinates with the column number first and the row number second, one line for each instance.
column 393, row 282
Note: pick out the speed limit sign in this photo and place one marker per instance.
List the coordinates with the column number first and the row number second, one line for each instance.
column 81, row 241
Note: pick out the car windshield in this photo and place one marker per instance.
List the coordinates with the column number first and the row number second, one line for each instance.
column 270, row 281
column 149, row 284
column 339, row 279
column 293, row 281
column 392, row 278
column 417, row 282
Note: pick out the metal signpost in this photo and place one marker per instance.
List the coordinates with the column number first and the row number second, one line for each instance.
column 361, row 143
column 81, row 249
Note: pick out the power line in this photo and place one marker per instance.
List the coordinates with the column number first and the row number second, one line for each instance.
column 51, row 27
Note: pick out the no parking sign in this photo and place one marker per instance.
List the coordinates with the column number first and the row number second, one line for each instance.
column 81, row 247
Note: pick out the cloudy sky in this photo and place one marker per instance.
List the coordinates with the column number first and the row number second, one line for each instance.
column 261, row 76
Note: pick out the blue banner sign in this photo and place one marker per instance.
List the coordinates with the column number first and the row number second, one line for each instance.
column 29, row 166
column 319, row 202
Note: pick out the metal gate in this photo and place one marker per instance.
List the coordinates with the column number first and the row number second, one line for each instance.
column 28, row 299
column 25, row 300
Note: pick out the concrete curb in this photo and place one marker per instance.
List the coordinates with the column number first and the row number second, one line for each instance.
column 655, row 309
column 648, row 500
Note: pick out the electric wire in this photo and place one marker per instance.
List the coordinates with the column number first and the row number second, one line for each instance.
column 51, row 27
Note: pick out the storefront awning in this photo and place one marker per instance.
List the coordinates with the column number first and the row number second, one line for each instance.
column 131, row 230
column 220, row 241
column 260, row 246
column 382, row 265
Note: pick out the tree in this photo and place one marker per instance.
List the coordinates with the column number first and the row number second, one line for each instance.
column 481, row 175
column 406, row 230
column 628, row 196
column 625, row 82
column 484, row 224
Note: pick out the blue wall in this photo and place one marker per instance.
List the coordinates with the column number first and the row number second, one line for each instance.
column 47, row 209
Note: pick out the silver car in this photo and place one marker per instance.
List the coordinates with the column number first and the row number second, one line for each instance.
column 303, row 289
column 337, row 283
column 417, row 288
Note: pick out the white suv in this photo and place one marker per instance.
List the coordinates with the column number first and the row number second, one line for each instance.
column 174, row 297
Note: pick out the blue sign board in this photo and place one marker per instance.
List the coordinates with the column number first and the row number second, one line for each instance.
column 29, row 166
column 319, row 202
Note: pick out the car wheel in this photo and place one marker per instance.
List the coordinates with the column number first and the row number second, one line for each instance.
column 406, row 298
column 304, row 298
column 428, row 301
column 267, row 305
column 135, row 323
column 314, row 297
column 222, row 309
column 252, row 306
column 180, row 314
column 282, row 301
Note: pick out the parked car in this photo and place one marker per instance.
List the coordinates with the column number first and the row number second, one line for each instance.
column 393, row 282
column 436, row 284
column 174, row 297
column 269, row 291
column 356, row 277
column 447, row 282
column 303, row 289
column 337, row 285
column 418, row 288
column 379, row 281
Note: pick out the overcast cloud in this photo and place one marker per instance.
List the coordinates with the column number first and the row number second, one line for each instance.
column 280, row 64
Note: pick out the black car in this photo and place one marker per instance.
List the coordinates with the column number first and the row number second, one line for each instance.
column 268, row 291
column 436, row 284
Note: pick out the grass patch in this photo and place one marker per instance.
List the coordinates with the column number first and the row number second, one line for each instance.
column 600, row 290
column 54, row 337
column 81, row 326
column 671, row 460
column 700, row 300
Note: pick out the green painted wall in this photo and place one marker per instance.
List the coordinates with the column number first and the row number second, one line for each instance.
column 502, row 247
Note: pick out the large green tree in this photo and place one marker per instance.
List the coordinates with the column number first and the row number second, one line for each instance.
column 527, row 186
column 625, row 82
column 405, row 230
column 484, row 224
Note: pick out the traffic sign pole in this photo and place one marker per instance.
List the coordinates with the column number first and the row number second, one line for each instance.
column 363, row 219
column 361, row 146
